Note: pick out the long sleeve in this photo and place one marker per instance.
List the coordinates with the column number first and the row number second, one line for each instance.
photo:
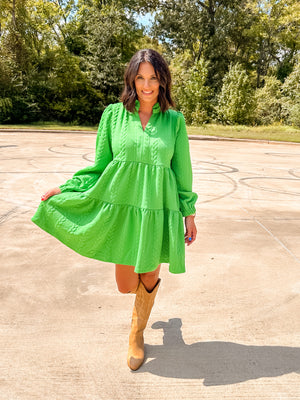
column 85, row 178
column 182, row 167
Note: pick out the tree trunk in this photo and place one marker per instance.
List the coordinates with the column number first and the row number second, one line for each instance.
column 13, row 13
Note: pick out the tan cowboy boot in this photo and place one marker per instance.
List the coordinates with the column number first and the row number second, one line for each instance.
column 141, row 311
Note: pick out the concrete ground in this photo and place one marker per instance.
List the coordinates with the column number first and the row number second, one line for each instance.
column 227, row 329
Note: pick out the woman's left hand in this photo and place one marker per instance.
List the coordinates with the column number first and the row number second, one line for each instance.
column 190, row 229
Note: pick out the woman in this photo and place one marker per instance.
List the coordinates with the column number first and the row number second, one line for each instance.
column 128, row 207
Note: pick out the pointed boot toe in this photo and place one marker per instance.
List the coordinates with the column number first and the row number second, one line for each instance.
column 134, row 363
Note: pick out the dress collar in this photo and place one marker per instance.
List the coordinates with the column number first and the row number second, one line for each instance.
column 155, row 108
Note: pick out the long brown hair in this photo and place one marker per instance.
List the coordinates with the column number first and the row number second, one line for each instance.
column 129, row 95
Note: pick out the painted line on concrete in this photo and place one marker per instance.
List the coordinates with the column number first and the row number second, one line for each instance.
column 278, row 240
column 273, row 236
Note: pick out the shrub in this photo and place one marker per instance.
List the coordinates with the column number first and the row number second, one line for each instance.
column 189, row 89
column 5, row 109
column 291, row 96
column 269, row 102
column 236, row 102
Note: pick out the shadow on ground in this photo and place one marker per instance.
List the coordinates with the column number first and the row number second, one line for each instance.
column 217, row 363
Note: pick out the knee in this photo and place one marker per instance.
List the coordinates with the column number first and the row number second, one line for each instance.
column 126, row 288
column 149, row 276
column 127, row 280
column 150, row 279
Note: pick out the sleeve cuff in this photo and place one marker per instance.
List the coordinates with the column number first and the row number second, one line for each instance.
column 188, row 211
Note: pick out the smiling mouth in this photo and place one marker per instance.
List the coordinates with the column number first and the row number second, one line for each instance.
column 147, row 92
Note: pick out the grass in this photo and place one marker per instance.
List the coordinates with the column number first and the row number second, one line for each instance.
column 271, row 132
column 52, row 126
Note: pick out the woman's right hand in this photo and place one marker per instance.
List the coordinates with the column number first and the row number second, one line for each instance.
column 50, row 193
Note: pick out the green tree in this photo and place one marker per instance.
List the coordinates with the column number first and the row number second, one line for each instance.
column 236, row 101
column 5, row 92
column 262, row 36
column 210, row 29
column 189, row 88
column 269, row 102
column 110, row 35
column 44, row 80
column 63, row 92
column 291, row 99
column 274, row 37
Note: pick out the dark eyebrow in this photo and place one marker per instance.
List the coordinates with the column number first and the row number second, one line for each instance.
column 151, row 75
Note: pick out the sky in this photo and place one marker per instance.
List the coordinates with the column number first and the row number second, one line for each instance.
column 145, row 20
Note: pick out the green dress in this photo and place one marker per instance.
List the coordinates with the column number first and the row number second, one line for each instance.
column 128, row 207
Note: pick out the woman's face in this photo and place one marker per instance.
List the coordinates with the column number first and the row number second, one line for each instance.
column 147, row 84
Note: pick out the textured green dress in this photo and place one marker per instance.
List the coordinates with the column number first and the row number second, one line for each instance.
column 128, row 207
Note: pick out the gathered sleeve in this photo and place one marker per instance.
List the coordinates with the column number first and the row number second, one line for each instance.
column 85, row 178
column 182, row 167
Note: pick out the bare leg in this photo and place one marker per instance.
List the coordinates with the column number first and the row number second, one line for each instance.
column 127, row 280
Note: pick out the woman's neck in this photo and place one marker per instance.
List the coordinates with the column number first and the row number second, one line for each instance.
column 146, row 108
